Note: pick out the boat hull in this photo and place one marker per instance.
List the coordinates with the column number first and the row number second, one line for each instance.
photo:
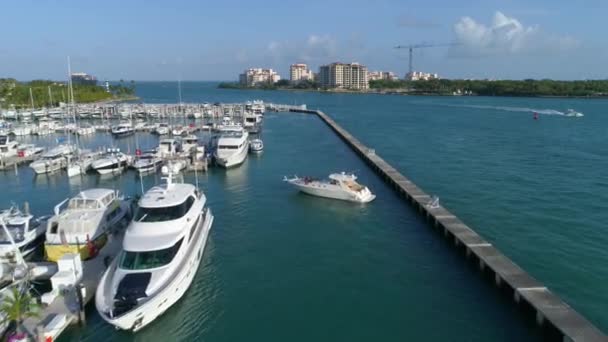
column 333, row 193
column 155, row 306
column 233, row 160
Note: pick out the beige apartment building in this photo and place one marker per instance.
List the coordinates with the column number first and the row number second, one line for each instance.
column 343, row 75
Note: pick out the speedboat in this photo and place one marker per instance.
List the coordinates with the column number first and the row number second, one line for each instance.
column 53, row 160
column 82, row 226
column 112, row 162
column 342, row 186
column 162, row 250
column 122, row 130
column 81, row 163
column 256, row 145
column 27, row 233
column 147, row 163
column 22, row 130
column 178, row 130
column 8, row 146
column 573, row 113
column 232, row 146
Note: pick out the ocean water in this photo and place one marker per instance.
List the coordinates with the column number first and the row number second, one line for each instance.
column 280, row 265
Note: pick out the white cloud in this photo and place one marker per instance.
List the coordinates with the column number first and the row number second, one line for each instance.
column 505, row 36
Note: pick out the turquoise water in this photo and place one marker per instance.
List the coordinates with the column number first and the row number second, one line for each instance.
column 285, row 266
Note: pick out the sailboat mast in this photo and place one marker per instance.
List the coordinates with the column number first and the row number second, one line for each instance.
column 50, row 97
column 31, row 99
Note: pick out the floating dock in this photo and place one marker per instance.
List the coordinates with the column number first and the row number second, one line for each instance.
column 556, row 318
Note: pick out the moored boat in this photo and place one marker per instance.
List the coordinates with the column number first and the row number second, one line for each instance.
column 162, row 250
column 83, row 225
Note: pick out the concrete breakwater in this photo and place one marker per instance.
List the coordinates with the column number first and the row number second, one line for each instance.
column 556, row 318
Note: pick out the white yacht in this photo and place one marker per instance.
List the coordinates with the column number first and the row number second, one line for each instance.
column 147, row 163
column 342, row 186
column 8, row 146
column 122, row 129
column 22, row 130
column 162, row 249
column 232, row 146
column 178, row 130
column 189, row 143
column 82, row 226
column 26, row 232
column 82, row 162
column 112, row 162
column 162, row 129
column 54, row 159
column 168, row 148
column 256, row 145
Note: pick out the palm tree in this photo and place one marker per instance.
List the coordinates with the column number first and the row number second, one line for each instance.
column 17, row 307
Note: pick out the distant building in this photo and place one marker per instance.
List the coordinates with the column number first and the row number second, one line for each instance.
column 381, row 75
column 256, row 76
column 299, row 72
column 83, row 78
column 343, row 75
column 417, row 76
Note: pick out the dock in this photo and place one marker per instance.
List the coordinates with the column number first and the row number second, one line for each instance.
column 67, row 308
column 556, row 318
column 12, row 163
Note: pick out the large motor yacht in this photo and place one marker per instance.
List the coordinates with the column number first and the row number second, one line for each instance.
column 342, row 186
column 162, row 250
column 82, row 227
column 232, row 146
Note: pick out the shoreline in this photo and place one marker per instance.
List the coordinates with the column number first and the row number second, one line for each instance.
column 406, row 93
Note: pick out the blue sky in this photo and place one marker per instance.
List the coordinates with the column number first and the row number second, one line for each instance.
column 215, row 40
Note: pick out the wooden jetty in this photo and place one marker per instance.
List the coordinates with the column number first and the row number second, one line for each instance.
column 557, row 319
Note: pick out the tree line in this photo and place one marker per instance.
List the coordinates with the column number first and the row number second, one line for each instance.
column 497, row 88
column 14, row 93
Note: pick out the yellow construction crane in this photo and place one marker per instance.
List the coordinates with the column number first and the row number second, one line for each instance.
column 418, row 46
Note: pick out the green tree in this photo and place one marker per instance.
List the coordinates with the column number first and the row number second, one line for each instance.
column 18, row 306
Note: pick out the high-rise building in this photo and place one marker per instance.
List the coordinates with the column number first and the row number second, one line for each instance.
column 83, row 78
column 343, row 75
column 256, row 76
column 299, row 72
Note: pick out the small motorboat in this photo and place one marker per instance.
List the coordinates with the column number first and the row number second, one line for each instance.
column 573, row 114
column 113, row 162
column 147, row 163
column 342, row 186
column 256, row 145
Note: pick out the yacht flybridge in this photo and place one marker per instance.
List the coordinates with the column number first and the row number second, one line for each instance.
column 342, row 186
column 162, row 250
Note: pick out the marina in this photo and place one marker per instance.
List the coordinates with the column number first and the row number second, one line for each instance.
column 144, row 137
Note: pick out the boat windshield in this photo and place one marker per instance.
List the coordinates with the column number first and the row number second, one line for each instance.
column 148, row 259
column 80, row 203
column 16, row 231
column 228, row 147
column 3, row 140
column 161, row 214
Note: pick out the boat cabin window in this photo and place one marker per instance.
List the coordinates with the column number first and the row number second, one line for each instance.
column 3, row 140
column 16, row 230
column 80, row 203
column 148, row 259
column 161, row 214
column 107, row 199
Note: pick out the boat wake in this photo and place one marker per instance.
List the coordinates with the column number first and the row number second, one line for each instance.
column 516, row 109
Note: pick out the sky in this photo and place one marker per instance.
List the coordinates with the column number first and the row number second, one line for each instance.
column 217, row 40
